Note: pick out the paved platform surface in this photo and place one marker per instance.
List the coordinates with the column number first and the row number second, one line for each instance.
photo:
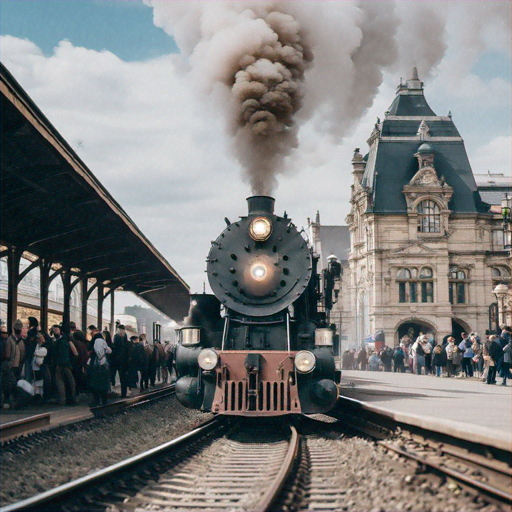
column 60, row 415
column 458, row 404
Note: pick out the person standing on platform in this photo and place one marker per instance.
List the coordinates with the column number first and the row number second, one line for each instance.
column 63, row 374
column 362, row 359
column 386, row 356
column 505, row 365
column 503, row 340
column 8, row 378
column 19, row 349
column 495, row 353
column 99, row 371
column 30, row 346
column 140, row 362
column 450, row 349
column 41, row 383
column 465, row 347
column 439, row 360
column 374, row 362
column 115, row 358
column 80, row 362
column 419, row 354
column 345, row 359
column 427, row 348
column 399, row 359
column 152, row 354
column 41, row 366
column 123, row 359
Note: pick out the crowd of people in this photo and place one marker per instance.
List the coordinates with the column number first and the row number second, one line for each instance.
column 60, row 366
column 467, row 358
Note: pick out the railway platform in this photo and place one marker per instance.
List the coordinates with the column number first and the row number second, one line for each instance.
column 450, row 405
column 62, row 415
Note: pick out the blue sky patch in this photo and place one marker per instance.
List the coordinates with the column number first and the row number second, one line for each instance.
column 123, row 27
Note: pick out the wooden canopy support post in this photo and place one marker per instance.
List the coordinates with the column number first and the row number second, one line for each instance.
column 45, row 267
column 100, row 306
column 84, row 295
column 13, row 270
column 66, row 282
column 112, row 313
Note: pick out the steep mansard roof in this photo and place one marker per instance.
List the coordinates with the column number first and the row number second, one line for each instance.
column 408, row 124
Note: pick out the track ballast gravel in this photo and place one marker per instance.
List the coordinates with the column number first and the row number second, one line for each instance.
column 35, row 465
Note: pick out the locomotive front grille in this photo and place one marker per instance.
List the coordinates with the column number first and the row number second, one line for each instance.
column 272, row 390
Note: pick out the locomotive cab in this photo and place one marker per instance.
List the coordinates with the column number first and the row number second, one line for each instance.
column 270, row 351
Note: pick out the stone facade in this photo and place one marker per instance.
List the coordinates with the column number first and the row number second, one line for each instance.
column 432, row 262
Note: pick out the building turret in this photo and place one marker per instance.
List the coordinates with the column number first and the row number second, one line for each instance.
column 358, row 166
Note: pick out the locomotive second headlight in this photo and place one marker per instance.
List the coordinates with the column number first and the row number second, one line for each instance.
column 259, row 271
column 305, row 361
column 260, row 229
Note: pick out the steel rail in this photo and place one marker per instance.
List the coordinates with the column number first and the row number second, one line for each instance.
column 46, row 499
column 270, row 497
column 13, row 429
column 125, row 403
column 456, row 475
column 382, row 426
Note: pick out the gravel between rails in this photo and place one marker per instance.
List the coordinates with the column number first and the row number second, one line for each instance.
column 366, row 477
column 78, row 451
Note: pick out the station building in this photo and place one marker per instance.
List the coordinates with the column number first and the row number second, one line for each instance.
column 426, row 251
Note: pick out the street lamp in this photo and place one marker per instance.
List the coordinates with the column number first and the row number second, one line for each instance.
column 506, row 203
column 501, row 292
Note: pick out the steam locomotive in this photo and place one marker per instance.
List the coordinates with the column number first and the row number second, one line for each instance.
column 259, row 346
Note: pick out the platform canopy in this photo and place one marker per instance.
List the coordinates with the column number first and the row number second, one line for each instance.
column 54, row 207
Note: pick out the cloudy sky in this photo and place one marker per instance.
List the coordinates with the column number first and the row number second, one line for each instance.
column 136, row 90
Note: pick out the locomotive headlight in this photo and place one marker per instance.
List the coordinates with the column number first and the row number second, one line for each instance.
column 208, row 359
column 259, row 271
column 260, row 229
column 305, row 361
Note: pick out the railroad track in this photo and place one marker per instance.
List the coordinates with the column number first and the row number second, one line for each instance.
column 126, row 403
column 13, row 429
column 479, row 467
column 218, row 466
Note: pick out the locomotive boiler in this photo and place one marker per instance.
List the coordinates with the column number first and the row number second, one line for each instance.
column 260, row 346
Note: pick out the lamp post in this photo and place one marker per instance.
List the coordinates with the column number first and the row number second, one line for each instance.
column 501, row 292
column 506, row 204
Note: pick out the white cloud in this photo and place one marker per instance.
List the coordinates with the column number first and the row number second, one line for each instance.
column 496, row 156
column 162, row 152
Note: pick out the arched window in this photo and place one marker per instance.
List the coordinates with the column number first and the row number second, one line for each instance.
column 500, row 275
column 458, row 286
column 429, row 217
column 404, row 273
column 412, row 288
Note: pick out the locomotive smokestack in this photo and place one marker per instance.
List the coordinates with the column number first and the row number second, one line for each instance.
column 260, row 205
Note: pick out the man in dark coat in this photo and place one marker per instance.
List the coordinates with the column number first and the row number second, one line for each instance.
column 362, row 359
column 63, row 351
column 399, row 359
column 386, row 356
column 496, row 353
column 120, row 359
column 139, row 362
